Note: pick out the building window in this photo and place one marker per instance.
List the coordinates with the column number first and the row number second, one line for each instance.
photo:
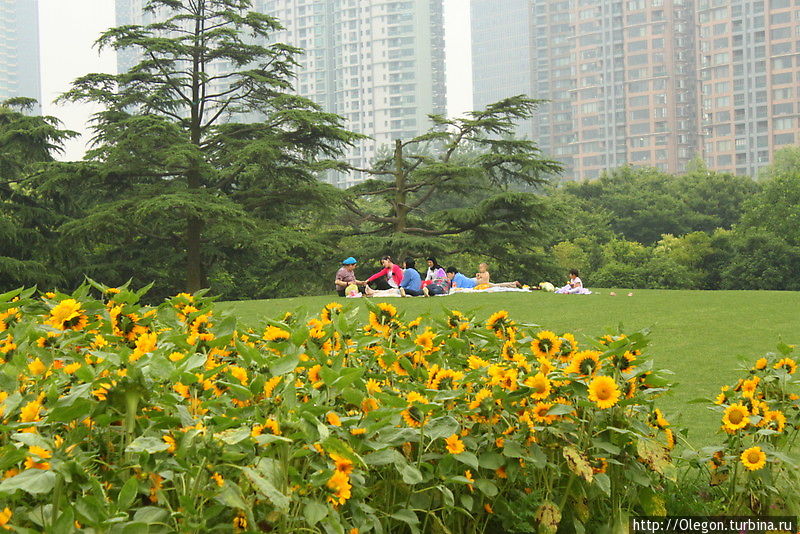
column 782, row 78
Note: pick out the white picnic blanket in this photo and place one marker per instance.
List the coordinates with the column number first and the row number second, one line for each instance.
column 489, row 290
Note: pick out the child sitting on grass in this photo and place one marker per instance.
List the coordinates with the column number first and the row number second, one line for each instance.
column 574, row 285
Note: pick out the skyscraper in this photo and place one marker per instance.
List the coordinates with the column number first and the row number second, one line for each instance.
column 620, row 78
column 553, row 79
column 749, row 56
column 377, row 63
column 634, row 100
column 19, row 50
column 501, row 65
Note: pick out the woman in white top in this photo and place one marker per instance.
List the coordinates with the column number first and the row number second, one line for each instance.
column 435, row 271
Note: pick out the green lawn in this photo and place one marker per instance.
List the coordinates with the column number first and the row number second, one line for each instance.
column 699, row 335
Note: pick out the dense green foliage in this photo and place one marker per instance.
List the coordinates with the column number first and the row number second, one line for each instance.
column 186, row 417
column 27, row 219
column 638, row 227
column 456, row 189
column 195, row 167
column 193, row 185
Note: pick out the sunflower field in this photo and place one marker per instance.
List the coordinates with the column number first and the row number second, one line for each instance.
column 754, row 470
column 122, row 417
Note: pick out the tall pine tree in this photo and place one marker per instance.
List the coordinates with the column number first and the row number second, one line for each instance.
column 201, row 144
column 28, row 248
column 457, row 188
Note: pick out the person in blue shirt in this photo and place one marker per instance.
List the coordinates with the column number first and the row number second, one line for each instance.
column 412, row 282
column 459, row 280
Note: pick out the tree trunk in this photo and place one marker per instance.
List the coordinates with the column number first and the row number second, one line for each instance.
column 400, row 208
column 194, row 261
column 400, row 197
column 195, row 279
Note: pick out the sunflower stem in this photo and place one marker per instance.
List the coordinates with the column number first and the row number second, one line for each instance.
column 131, row 406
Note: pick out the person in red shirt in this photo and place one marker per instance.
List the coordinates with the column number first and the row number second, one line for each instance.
column 392, row 272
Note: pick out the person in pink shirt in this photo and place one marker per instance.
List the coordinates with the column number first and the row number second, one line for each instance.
column 392, row 272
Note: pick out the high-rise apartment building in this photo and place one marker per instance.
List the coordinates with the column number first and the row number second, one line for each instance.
column 621, row 77
column 749, row 56
column 377, row 63
column 553, row 78
column 501, row 65
column 653, row 82
column 526, row 47
column 19, row 50
column 635, row 96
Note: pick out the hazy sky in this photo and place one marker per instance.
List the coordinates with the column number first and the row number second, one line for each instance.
column 69, row 27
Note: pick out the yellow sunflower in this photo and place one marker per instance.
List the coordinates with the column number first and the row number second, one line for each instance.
column 482, row 395
column 603, row 390
column 425, row 340
column 624, row 362
column 339, row 483
column 67, row 314
column 343, row 465
column 788, row 364
column 540, row 386
column 448, row 376
column 717, row 460
column 599, row 465
column 475, row 362
column 377, row 324
column 774, row 419
column 37, row 367
column 458, row 321
column 670, row 436
column 273, row 426
column 454, row 444
column 507, row 352
column 315, row 377
column 413, row 417
column 373, row 386
column 749, row 387
column 546, row 344
column 584, row 363
column 568, row 345
column 540, row 413
column 504, row 377
column 333, row 419
column 31, row 412
column 327, row 312
column 369, row 404
column 270, row 385
column 761, row 364
column 661, row 421
column 387, row 309
column 273, row 333
column 736, row 417
column 754, row 458
column 608, row 339
column 413, row 397
column 497, row 320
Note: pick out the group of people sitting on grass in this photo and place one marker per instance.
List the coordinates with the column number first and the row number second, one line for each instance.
column 406, row 281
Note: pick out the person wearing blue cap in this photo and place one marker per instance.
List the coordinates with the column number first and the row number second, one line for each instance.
column 345, row 276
